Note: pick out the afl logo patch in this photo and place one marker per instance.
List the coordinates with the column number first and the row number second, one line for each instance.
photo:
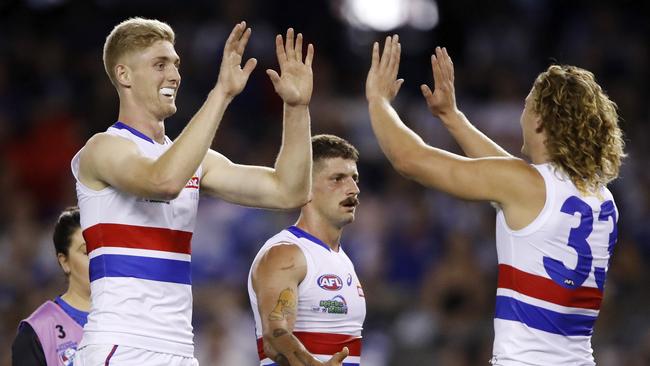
column 330, row 282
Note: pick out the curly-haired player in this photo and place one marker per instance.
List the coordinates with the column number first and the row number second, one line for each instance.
column 556, row 220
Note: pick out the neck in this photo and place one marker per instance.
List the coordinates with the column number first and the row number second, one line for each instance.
column 77, row 299
column 140, row 120
column 318, row 227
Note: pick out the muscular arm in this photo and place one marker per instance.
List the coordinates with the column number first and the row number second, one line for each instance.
column 513, row 183
column 442, row 103
column 289, row 183
column 286, row 185
column 276, row 277
column 112, row 161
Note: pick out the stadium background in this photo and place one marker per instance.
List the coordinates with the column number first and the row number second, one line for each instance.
column 427, row 261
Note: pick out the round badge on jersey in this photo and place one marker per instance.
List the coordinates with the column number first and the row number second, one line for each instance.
column 330, row 282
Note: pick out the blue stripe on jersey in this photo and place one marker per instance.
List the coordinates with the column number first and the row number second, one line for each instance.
column 546, row 320
column 156, row 269
column 303, row 234
column 122, row 126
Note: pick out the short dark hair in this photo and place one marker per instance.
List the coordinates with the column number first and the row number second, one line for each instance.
column 65, row 227
column 330, row 146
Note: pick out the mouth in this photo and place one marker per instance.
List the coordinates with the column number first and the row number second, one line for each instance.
column 167, row 92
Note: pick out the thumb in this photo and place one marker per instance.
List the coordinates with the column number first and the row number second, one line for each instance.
column 340, row 356
column 397, row 86
column 249, row 66
column 275, row 78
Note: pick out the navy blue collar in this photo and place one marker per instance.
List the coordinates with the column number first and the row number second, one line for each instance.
column 122, row 126
column 303, row 234
column 81, row 317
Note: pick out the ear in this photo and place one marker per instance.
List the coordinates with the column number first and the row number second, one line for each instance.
column 63, row 262
column 539, row 126
column 123, row 75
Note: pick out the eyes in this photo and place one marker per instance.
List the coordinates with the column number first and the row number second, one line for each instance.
column 341, row 177
column 160, row 66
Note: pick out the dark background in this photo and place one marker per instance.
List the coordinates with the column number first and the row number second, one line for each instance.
column 427, row 260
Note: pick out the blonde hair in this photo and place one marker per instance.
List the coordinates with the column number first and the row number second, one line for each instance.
column 583, row 137
column 133, row 34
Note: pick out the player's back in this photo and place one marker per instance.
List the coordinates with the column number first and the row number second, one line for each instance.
column 139, row 267
column 552, row 275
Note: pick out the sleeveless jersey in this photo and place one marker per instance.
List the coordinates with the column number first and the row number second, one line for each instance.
column 331, row 303
column 139, row 252
column 552, row 276
column 57, row 332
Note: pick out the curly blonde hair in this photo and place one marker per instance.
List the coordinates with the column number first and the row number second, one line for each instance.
column 583, row 137
column 133, row 34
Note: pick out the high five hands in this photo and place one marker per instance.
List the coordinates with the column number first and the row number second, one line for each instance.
column 295, row 82
column 382, row 82
column 232, row 77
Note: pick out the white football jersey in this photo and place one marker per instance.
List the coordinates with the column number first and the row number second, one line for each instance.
column 331, row 304
column 552, row 276
column 139, row 252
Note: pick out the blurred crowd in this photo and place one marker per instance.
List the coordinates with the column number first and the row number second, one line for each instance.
column 427, row 260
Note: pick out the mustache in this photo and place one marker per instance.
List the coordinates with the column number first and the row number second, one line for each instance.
column 350, row 201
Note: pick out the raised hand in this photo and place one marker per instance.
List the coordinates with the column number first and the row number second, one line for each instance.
column 382, row 79
column 295, row 82
column 232, row 77
column 443, row 99
column 338, row 357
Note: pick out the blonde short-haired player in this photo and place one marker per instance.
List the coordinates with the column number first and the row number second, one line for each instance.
column 556, row 219
column 307, row 301
column 138, row 191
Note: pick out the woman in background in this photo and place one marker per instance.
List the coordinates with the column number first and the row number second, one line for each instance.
column 49, row 336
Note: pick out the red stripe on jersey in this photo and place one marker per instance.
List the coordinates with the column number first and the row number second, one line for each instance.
column 322, row 343
column 137, row 237
column 546, row 289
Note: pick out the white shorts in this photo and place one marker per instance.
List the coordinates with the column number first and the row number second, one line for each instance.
column 115, row 355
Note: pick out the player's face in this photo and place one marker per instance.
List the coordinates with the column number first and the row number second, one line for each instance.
column 335, row 190
column 529, row 124
column 77, row 263
column 156, row 78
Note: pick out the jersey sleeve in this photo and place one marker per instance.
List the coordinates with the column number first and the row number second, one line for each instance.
column 26, row 349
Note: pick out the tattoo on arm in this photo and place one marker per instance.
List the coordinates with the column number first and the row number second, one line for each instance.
column 286, row 305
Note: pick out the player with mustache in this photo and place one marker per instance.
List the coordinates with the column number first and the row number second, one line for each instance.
column 307, row 301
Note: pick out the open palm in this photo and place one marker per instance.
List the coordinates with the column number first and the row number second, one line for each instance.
column 232, row 77
column 295, row 82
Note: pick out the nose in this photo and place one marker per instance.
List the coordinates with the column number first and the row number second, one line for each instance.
column 174, row 75
column 353, row 188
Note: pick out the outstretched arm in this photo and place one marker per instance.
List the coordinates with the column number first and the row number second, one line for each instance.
column 287, row 185
column 110, row 160
column 275, row 278
column 508, row 181
column 442, row 104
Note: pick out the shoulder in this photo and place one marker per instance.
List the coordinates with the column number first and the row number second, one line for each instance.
column 282, row 254
column 104, row 140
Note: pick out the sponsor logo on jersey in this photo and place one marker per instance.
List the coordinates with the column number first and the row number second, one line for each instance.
column 336, row 305
column 193, row 183
column 330, row 282
column 66, row 352
column 349, row 279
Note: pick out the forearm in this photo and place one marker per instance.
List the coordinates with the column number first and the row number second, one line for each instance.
column 396, row 140
column 474, row 143
column 294, row 161
column 290, row 351
column 177, row 165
